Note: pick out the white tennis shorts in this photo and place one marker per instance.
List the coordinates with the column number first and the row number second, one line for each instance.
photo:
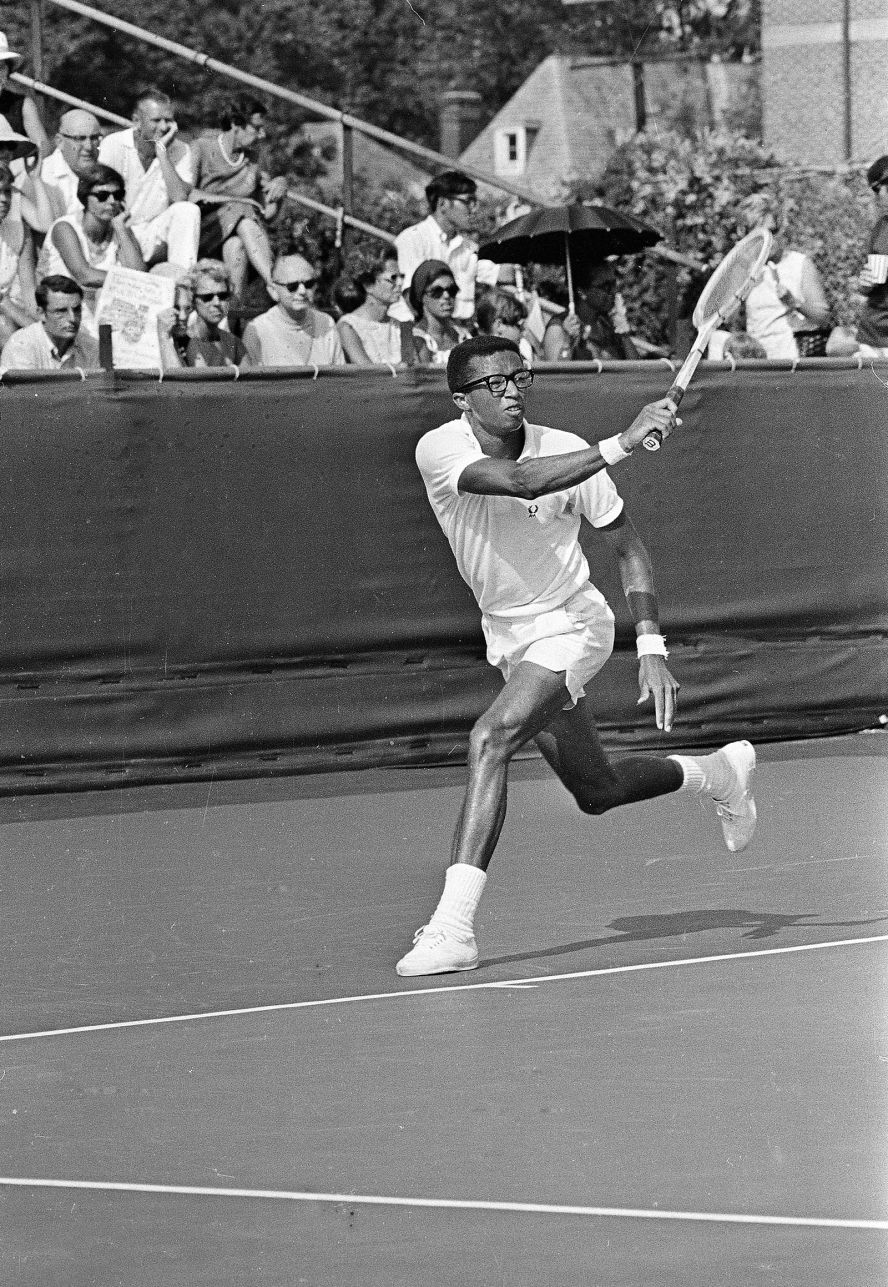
column 575, row 639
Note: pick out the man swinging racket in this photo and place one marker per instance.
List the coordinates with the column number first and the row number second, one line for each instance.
column 509, row 497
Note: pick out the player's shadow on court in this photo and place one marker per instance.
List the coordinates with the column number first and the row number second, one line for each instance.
column 641, row 929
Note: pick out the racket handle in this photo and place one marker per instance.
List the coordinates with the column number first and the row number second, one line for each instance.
column 654, row 439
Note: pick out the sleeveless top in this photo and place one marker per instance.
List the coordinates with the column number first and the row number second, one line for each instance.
column 103, row 257
column 767, row 318
column 381, row 340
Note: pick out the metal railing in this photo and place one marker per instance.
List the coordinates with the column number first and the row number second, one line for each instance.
column 349, row 124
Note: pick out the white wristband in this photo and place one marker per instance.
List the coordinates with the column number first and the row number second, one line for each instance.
column 611, row 451
column 651, row 646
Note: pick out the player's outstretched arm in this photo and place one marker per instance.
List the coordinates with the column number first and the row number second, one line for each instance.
column 636, row 575
column 496, row 476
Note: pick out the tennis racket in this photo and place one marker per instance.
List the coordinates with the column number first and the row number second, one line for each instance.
column 722, row 295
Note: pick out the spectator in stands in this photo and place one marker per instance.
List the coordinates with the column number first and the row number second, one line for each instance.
column 84, row 245
column 294, row 332
column 19, row 154
column 787, row 306
column 872, row 326
column 56, row 342
column 236, row 198
column 76, row 151
column 208, row 343
column 500, row 313
column 443, row 236
column 605, row 331
column 158, row 172
column 368, row 334
column 17, row 104
column 432, row 298
column 561, row 328
column 16, row 262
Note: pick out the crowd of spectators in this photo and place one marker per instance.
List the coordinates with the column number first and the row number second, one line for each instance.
column 77, row 205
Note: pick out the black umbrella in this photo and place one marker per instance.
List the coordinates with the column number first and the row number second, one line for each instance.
column 553, row 234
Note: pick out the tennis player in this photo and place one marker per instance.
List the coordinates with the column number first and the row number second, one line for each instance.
column 509, row 496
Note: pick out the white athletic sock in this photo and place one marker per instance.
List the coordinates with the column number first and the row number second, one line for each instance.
column 710, row 773
column 463, row 886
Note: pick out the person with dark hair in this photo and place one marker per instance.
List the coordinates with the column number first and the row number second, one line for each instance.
column 444, row 235
column 604, row 331
column 236, row 198
column 872, row 322
column 369, row 335
column 84, row 245
column 510, row 496
column 434, row 332
column 502, row 314
column 158, row 172
column 207, row 342
column 55, row 342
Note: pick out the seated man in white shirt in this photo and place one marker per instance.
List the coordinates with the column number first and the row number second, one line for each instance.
column 158, row 170
column 452, row 199
column 55, row 342
column 76, row 151
column 294, row 332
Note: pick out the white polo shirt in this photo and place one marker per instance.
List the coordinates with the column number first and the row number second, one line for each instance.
column 519, row 557
column 61, row 184
column 31, row 349
column 146, row 191
column 428, row 240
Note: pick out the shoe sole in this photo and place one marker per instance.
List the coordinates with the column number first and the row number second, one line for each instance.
column 742, row 758
column 409, row 973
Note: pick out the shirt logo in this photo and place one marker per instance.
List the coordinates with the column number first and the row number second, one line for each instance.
column 532, row 510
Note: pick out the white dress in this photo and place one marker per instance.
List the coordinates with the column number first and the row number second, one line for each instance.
column 103, row 257
column 767, row 318
column 381, row 340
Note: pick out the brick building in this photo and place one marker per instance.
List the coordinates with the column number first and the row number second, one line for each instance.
column 824, row 81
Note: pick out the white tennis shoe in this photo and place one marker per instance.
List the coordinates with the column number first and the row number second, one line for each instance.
column 438, row 951
column 737, row 808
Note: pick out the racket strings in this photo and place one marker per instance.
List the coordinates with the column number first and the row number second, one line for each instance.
column 734, row 277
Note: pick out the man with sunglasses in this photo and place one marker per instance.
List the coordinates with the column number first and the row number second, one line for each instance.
column 294, row 332
column 76, row 150
column 444, row 235
column 510, row 497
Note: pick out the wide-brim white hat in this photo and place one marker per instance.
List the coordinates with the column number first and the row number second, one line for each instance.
column 24, row 145
column 6, row 54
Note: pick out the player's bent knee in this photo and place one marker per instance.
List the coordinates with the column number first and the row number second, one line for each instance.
column 494, row 739
column 597, row 798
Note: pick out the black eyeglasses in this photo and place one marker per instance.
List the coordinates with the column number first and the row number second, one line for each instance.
column 206, row 295
column 107, row 194
column 308, row 282
column 438, row 292
column 471, row 202
column 83, row 138
column 497, row 384
column 391, row 278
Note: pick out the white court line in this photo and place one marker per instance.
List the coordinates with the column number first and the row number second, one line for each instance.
column 457, row 987
column 449, row 1204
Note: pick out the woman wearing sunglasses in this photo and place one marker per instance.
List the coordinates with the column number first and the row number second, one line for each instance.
column 432, row 296
column 86, row 244
column 201, row 339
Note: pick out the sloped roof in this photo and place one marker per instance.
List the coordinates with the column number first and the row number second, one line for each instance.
column 578, row 110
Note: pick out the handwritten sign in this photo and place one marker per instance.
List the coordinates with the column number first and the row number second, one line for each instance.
column 129, row 303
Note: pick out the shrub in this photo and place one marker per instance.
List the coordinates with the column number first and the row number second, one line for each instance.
column 692, row 190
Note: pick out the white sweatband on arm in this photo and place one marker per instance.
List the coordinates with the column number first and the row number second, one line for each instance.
column 611, row 451
column 651, row 646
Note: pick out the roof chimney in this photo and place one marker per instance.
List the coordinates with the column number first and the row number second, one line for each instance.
column 460, row 117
